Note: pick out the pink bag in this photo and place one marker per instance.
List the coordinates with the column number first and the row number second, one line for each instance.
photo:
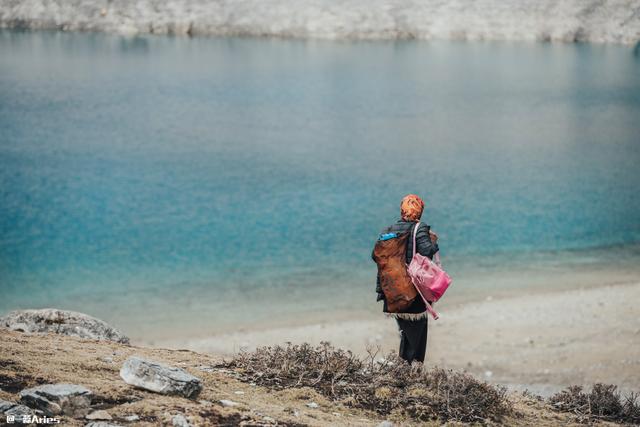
column 430, row 280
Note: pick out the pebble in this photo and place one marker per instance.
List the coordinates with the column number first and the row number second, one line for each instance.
column 132, row 418
column 179, row 420
column 312, row 405
column 101, row 424
column 228, row 403
column 488, row 374
column 238, row 392
column 99, row 415
column 292, row 411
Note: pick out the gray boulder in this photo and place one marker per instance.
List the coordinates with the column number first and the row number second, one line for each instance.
column 56, row 399
column 62, row 322
column 159, row 378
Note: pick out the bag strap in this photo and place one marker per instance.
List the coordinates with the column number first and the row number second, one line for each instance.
column 436, row 256
column 415, row 231
column 431, row 311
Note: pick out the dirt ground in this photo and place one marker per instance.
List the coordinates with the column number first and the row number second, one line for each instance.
column 28, row 360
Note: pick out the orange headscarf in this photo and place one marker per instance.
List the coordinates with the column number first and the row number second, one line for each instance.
column 411, row 207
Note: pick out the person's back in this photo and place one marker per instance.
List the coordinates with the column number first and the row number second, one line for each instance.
column 413, row 320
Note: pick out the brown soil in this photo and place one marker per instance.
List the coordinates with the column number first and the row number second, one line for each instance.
column 28, row 360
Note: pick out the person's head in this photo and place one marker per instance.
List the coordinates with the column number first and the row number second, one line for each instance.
column 411, row 207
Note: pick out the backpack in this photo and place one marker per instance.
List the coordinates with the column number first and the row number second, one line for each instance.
column 389, row 253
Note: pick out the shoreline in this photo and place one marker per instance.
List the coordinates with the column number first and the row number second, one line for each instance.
column 487, row 20
column 540, row 341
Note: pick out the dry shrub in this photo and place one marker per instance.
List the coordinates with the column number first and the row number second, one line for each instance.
column 603, row 402
column 386, row 385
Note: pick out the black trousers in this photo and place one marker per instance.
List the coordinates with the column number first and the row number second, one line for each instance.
column 413, row 340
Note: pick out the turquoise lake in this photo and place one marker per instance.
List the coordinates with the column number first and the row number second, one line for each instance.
column 199, row 185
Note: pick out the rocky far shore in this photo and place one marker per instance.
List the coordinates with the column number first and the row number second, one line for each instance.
column 76, row 369
column 612, row 21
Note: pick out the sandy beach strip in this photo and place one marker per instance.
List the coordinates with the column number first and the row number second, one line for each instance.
column 542, row 342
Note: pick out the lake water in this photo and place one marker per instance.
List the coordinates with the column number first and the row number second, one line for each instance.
column 175, row 185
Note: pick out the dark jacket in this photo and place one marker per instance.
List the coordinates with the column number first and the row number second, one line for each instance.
column 424, row 246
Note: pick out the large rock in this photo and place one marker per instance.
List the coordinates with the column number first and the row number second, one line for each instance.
column 159, row 378
column 15, row 409
column 61, row 322
column 56, row 399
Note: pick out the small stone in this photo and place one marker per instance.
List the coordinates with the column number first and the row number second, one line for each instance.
column 312, row 405
column 385, row 424
column 159, row 378
column 488, row 374
column 292, row 411
column 15, row 409
column 180, row 421
column 101, row 424
column 269, row 419
column 55, row 399
column 99, row 415
column 131, row 418
column 240, row 393
column 228, row 403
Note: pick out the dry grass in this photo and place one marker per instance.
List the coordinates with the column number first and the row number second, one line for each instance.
column 387, row 385
column 602, row 403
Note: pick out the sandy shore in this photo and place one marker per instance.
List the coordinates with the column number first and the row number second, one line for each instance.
column 542, row 342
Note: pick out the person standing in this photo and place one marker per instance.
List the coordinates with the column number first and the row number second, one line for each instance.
column 412, row 321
